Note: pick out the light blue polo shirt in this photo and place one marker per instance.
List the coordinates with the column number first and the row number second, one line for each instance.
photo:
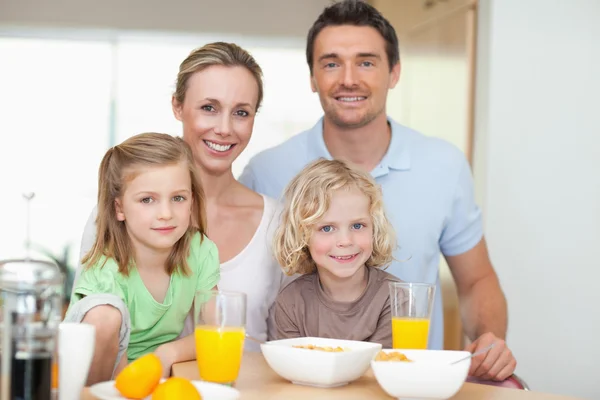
column 428, row 194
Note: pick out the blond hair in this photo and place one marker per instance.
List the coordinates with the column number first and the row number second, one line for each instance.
column 308, row 197
column 217, row 53
column 121, row 164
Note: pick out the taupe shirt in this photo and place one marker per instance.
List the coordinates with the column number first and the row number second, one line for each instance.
column 303, row 309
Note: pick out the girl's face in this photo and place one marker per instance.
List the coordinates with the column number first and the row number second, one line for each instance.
column 218, row 115
column 342, row 241
column 156, row 207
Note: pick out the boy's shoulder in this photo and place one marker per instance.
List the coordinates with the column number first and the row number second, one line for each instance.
column 379, row 283
column 382, row 276
column 299, row 287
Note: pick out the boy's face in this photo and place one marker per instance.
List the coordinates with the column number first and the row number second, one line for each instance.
column 156, row 207
column 342, row 241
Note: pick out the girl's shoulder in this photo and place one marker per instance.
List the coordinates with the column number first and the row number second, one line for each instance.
column 105, row 266
column 101, row 277
column 106, row 271
column 201, row 246
column 203, row 262
column 203, row 251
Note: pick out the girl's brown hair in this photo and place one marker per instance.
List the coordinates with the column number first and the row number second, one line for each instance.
column 120, row 165
column 307, row 199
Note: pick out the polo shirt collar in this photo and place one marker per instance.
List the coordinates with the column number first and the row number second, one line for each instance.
column 397, row 157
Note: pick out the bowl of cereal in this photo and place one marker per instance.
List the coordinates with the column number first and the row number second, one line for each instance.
column 420, row 374
column 319, row 362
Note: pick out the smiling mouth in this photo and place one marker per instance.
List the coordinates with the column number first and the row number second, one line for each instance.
column 164, row 229
column 218, row 147
column 345, row 258
column 350, row 99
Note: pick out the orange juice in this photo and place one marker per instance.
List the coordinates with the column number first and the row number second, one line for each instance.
column 219, row 352
column 410, row 333
column 54, row 379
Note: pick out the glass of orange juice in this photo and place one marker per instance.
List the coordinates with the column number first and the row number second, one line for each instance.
column 411, row 304
column 220, row 319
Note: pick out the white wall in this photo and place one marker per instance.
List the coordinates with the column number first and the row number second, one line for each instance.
column 538, row 177
column 253, row 17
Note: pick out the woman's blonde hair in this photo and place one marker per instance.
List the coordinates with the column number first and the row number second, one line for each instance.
column 120, row 165
column 217, row 53
column 308, row 197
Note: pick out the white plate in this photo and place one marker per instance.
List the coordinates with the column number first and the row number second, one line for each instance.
column 209, row 391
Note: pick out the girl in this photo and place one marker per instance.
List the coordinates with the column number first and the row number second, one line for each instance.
column 335, row 233
column 149, row 257
column 218, row 93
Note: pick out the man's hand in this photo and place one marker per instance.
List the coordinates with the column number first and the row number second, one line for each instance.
column 497, row 364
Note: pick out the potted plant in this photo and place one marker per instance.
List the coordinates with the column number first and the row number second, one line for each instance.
column 63, row 262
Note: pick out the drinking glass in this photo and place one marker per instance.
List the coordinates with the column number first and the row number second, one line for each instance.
column 411, row 304
column 76, row 342
column 220, row 320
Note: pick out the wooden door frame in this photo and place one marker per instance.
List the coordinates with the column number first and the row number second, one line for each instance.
column 448, row 9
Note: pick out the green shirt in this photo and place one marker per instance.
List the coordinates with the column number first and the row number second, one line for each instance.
column 153, row 323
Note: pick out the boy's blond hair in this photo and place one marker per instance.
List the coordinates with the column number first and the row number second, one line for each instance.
column 308, row 197
column 120, row 165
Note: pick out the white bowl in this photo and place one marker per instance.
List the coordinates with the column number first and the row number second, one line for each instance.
column 316, row 367
column 428, row 376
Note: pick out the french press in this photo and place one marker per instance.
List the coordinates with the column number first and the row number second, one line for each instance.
column 30, row 305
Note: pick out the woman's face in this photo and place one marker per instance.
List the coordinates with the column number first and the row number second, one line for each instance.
column 218, row 115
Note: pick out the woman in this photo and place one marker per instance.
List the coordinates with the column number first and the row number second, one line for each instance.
column 218, row 92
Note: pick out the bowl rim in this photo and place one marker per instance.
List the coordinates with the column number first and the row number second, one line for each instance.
column 345, row 343
column 428, row 363
column 305, row 338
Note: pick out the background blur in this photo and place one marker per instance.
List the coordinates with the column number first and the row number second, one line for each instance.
column 512, row 83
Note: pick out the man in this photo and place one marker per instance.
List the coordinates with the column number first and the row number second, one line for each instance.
column 352, row 52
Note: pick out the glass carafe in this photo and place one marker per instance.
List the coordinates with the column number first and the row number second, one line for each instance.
column 30, row 312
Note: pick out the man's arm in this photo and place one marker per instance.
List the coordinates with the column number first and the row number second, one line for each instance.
column 482, row 303
column 484, row 314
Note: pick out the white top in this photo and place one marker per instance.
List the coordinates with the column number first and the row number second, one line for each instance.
column 253, row 271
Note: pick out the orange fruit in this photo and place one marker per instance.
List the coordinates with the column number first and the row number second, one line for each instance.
column 139, row 379
column 176, row 388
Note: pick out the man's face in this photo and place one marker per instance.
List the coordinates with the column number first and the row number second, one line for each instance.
column 351, row 74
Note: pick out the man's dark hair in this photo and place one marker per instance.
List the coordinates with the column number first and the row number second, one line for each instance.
column 357, row 13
